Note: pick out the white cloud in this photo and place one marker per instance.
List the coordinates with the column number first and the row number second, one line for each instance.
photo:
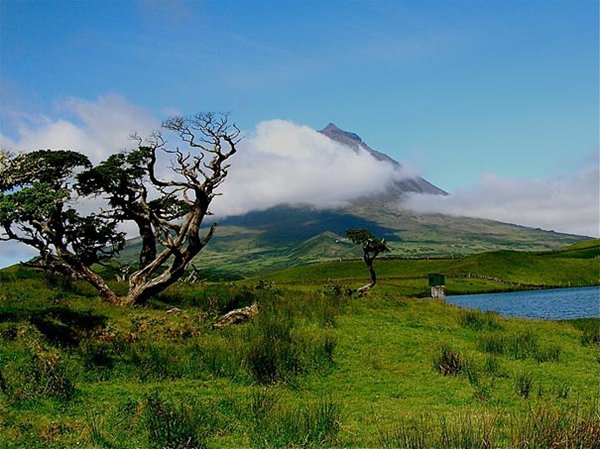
column 567, row 203
column 98, row 128
column 281, row 162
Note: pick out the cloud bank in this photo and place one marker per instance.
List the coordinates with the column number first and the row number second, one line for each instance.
column 568, row 203
column 281, row 162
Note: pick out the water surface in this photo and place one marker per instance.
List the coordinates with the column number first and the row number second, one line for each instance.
column 560, row 303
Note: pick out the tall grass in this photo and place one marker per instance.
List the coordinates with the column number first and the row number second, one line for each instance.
column 311, row 425
column 524, row 384
column 540, row 427
column 176, row 426
column 429, row 432
column 478, row 320
column 519, row 346
column 37, row 372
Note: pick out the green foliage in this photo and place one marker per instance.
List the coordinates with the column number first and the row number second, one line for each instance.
column 34, row 209
column 371, row 245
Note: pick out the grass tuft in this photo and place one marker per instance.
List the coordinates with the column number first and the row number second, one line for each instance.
column 448, row 362
column 478, row 320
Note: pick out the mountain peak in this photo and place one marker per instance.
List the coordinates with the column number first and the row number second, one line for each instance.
column 332, row 131
column 354, row 142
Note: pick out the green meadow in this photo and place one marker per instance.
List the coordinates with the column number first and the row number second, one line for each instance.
column 319, row 366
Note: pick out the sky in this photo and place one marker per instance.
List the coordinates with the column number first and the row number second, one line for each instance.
column 496, row 102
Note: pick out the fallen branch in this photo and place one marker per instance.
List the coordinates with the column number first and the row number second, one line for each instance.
column 237, row 316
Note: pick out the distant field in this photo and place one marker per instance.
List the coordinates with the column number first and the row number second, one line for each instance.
column 577, row 265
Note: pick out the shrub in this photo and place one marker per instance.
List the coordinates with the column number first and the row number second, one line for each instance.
column 448, row 362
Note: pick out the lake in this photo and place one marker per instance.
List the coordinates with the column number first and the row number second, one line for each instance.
column 560, row 303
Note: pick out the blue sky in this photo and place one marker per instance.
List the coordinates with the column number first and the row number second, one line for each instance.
column 460, row 89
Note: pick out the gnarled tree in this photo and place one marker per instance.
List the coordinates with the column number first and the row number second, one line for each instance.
column 372, row 247
column 39, row 193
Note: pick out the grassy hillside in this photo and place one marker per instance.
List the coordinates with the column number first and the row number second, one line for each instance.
column 284, row 236
column 318, row 368
column 495, row 271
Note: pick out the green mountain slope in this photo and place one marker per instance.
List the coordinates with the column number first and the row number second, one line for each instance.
column 286, row 236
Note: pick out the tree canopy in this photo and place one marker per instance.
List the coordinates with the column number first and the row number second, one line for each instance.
column 42, row 193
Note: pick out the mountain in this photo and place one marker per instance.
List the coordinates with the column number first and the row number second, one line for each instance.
column 290, row 234
column 353, row 141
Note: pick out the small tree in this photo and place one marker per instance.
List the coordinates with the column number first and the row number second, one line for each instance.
column 39, row 192
column 372, row 247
